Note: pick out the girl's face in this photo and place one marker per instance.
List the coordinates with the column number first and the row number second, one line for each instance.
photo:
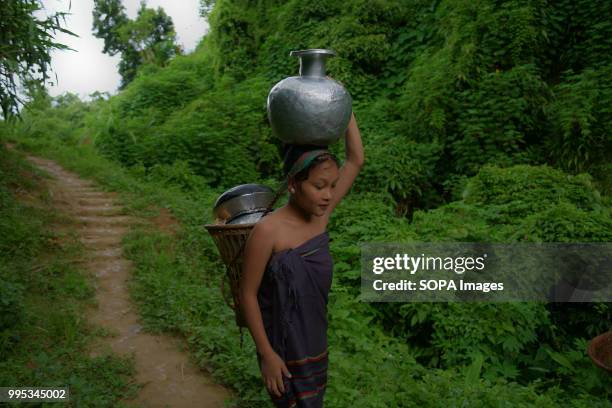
column 314, row 194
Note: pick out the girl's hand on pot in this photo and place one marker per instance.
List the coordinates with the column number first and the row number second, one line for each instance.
column 272, row 369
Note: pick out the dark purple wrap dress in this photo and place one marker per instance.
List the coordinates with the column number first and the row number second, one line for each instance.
column 293, row 301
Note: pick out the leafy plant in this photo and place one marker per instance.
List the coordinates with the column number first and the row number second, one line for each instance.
column 27, row 43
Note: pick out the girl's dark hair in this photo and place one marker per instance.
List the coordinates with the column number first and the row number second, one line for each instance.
column 292, row 153
column 305, row 173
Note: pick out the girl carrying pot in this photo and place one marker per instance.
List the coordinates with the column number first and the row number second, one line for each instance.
column 287, row 273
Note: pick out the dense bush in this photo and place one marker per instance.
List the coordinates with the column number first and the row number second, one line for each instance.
column 581, row 137
column 515, row 341
column 453, row 85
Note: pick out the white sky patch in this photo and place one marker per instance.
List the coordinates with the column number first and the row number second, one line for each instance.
column 87, row 69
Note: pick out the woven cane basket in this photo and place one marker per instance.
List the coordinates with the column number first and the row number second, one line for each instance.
column 230, row 240
column 600, row 351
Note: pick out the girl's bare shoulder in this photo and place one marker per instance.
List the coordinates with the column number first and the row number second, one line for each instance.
column 268, row 226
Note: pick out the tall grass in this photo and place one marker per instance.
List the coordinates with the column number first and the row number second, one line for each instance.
column 176, row 286
column 44, row 336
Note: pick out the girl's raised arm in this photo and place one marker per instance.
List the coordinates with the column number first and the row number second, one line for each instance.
column 352, row 165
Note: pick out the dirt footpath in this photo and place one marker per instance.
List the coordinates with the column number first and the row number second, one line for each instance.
column 169, row 378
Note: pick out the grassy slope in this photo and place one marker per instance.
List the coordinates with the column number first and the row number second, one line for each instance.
column 43, row 293
column 176, row 286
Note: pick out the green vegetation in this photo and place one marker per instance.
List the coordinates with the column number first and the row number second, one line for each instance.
column 176, row 285
column 149, row 39
column 43, row 334
column 483, row 121
column 25, row 53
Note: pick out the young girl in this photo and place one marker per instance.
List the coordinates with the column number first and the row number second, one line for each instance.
column 287, row 273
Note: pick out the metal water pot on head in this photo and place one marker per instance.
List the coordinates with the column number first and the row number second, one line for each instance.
column 309, row 109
